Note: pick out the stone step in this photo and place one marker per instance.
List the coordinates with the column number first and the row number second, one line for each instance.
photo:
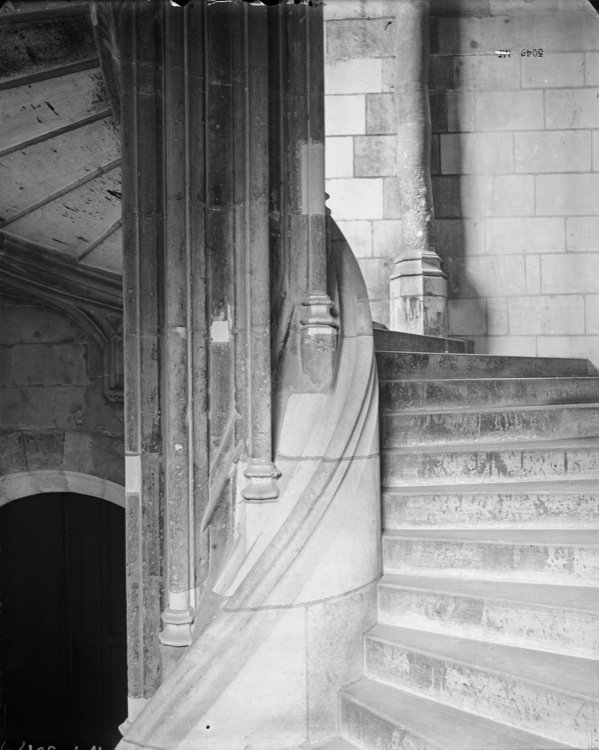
column 406, row 428
column 558, row 556
column 418, row 366
column 336, row 744
column 562, row 619
column 548, row 694
column 375, row 715
column 493, row 462
column 573, row 504
column 430, row 395
column 398, row 341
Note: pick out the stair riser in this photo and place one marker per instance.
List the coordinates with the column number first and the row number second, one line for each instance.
column 494, row 695
column 513, row 623
column 567, row 564
column 479, row 466
column 538, row 510
column 369, row 731
column 403, row 430
column 394, row 366
column 426, row 394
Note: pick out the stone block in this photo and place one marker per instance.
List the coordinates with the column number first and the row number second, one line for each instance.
column 354, row 199
column 503, row 7
column 591, row 69
column 467, row 317
column 596, row 150
column 539, row 29
column 546, row 316
column 345, row 115
column 571, row 108
column 533, row 274
column 486, row 73
column 525, row 235
column 566, row 194
column 582, row 234
column 553, row 151
column 12, row 453
column 486, row 276
column 26, row 408
column 477, row 153
column 447, row 196
column 381, row 117
column 376, row 273
column 441, row 73
column 39, row 325
column 497, row 316
column 44, row 450
column 483, row 195
column 69, row 407
column 386, row 239
column 506, row 346
column 457, row 237
column 358, row 235
column 592, row 313
column 438, row 104
column 570, row 273
column 339, row 157
column 334, row 641
column 435, row 154
column 460, row 7
column 357, row 76
column 340, row 9
column 495, row 111
column 5, row 365
column 380, row 312
column 392, row 209
column 6, row 300
column 586, row 347
column 375, row 155
column 388, row 74
column 50, row 364
column 553, row 70
column 371, row 37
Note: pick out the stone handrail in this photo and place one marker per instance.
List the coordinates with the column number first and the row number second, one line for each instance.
column 318, row 543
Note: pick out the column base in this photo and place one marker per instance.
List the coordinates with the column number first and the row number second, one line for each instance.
column 177, row 627
column 262, row 482
column 419, row 304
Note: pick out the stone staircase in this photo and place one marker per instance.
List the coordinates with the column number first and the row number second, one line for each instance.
column 488, row 624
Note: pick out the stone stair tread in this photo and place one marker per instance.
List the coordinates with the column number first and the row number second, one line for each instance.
column 442, row 726
column 561, row 537
column 547, row 595
column 446, row 410
column 338, row 743
column 528, row 445
column 570, row 674
column 496, row 488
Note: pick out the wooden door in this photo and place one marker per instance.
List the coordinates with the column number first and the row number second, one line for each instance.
column 63, row 638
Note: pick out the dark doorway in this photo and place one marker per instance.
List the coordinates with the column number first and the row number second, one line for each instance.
column 63, row 638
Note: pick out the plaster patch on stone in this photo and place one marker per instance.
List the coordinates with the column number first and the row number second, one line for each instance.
column 133, row 474
column 219, row 332
column 312, row 166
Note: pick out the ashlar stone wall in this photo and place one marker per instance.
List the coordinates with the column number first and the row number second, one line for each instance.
column 515, row 163
column 53, row 414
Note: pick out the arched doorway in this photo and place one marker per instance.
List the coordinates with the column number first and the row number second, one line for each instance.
column 63, row 637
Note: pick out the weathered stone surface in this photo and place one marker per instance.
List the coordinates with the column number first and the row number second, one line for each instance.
column 345, row 115
column 445, row 393
column 582, row 233
column 570, row 273
column 552, row 151
column 44, row 450
column 493, row 111
column 572, row 504
column 493, row 463
column 6, row 377
column 27, row 324
column 444, row 668
column 12, row 453
column 378, row 715
column 50, row 364
column 556, row 618
column 339, row 157
column 546, row 315
column 477, row 153
column 566, row 194
column 356, row 199
column 358, row 76
column 22, row 408
column 572, row 108
column 370, row 38
column 524, row 235
column 540, row 423
column 381, row 117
